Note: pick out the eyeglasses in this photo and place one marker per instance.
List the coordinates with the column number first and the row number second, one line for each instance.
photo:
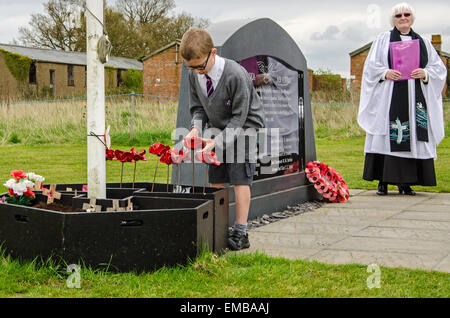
column 406, row 15
column 201, row 67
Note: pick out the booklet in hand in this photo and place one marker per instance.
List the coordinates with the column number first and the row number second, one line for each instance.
column 405, row 57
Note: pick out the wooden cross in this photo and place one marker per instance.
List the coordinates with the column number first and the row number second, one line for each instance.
column 51, row 194
column 116, row 207
column 91, row 207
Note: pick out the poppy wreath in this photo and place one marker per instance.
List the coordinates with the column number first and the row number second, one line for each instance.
column 327, row 181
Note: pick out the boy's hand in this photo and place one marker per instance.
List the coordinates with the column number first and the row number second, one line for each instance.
column 210, row 145
column 193, row 133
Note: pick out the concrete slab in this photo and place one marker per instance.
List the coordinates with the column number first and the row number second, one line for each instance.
column 393, row 231
column 426, row 216
column 383, row 203
column 415, row 224
column 442, row 198
column 444, row 265
column 282, row 240
column 387, row 259
column 308, row 228
column 354, row 192
column 326, row 219
column 427, row 207
column 340, row 211
column 404, row 233
column 376, row 244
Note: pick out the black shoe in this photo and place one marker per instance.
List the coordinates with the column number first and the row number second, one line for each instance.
column 238, row 241
column 405, row 189
column 382, row 188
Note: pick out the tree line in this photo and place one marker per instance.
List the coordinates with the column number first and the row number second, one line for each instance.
column 135, row 27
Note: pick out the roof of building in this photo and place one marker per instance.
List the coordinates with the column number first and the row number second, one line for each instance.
column 176, row 42
column 64, row 57
column 368, row 45
column 361, row 49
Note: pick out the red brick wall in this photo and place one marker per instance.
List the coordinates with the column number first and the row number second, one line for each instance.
column 356, row 70
column 161, row 74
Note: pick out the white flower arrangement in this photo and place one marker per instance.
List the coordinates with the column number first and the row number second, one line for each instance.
column 35, row 177
column 20, row 187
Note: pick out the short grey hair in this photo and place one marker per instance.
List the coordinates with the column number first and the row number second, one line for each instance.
column 400, row 8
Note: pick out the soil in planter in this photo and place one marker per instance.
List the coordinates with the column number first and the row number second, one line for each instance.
column 56, row 207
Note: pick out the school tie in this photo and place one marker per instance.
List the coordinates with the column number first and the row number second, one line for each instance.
column 209, row 85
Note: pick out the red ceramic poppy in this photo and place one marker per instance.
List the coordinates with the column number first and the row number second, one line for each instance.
column 208, row 158
column 18, row 174
column 110, row 155
column 179, row 156
column 194, row 142
column 166, row 158
column 122, row 156
column 158, row 149
column 136, row 156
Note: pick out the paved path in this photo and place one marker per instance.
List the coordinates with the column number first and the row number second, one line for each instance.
column 393, row 231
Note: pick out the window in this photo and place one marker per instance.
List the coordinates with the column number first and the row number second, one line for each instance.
column 32, row 74
column 70, row 80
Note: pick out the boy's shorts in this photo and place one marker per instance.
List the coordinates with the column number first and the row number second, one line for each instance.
column 232, row 173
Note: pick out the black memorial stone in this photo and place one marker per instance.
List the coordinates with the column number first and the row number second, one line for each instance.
column 279, row 70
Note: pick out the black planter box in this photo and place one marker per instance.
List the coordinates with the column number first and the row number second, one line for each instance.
column 163, row 232
column 220, row 197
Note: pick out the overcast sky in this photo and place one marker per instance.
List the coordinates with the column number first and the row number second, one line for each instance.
column 326, row 31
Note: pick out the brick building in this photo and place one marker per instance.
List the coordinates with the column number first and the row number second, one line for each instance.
column 358, row 57
column 162, row 71
column 52, row 72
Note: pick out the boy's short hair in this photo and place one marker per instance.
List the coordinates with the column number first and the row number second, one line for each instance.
column 195, row 43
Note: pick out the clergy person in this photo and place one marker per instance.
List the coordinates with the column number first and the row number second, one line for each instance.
column 403, row 119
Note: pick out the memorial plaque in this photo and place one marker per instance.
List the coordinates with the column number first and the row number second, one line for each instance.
column 281, row 91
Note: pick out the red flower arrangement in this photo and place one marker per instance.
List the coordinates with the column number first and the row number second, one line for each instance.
column 125, row 156
column 327, row 181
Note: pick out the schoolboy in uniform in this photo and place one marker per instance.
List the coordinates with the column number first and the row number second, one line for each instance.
column 222, row 96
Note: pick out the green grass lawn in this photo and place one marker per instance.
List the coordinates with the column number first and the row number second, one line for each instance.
column 250, row 275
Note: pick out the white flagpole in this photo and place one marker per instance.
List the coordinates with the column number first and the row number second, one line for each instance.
column 96, row 165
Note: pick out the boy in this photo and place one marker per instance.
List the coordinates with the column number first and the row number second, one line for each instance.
column 222, row 96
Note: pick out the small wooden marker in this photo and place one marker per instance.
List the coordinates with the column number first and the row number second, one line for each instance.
column 91, row 207
column 37, row 186
column 130, row 205
column 51, row 194
column 116, row 207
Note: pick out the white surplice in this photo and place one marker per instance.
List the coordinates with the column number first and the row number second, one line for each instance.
column 375, row 101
